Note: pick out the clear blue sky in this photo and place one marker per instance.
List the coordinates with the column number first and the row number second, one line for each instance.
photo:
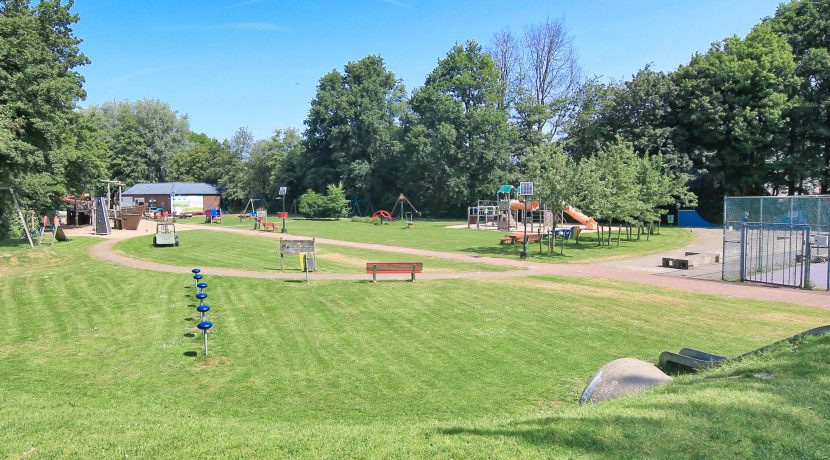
column 256, row 63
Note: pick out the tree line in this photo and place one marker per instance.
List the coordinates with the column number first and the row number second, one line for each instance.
column 749, row 116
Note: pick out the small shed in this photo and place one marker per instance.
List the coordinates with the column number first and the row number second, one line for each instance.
column 173, row 196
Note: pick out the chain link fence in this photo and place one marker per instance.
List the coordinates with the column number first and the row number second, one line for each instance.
column 777, row 240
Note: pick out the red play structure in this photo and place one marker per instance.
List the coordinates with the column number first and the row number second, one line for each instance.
column 383, row 214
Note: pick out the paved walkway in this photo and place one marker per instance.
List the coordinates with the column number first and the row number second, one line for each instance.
column 617, row 270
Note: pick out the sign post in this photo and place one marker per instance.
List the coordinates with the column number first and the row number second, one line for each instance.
column 283, row 191
column 297, row 247
column 526, row 190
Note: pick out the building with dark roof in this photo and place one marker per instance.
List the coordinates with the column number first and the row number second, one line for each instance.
column 173, row 196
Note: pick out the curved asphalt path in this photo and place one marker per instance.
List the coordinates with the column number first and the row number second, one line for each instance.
column 817, row 299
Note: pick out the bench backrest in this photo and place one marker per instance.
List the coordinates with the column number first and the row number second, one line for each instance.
column 395, row 266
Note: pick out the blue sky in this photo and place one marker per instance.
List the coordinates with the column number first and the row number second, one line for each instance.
column 256, row 63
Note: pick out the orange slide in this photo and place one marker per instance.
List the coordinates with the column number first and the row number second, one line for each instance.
column 517, row 205
column 577, row 215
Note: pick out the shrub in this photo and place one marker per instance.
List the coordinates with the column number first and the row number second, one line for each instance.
column 333, row 204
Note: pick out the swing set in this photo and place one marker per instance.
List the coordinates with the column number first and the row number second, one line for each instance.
column 402, row 201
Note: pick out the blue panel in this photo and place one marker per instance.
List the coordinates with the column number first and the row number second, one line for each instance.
column 690, row 218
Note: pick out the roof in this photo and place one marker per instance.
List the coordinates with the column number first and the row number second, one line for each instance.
column 506, row 188
column 168, row 188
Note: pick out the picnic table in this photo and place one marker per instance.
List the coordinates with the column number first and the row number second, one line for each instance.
column 514, row 238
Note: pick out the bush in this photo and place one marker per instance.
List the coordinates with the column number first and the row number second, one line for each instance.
column 331, row 205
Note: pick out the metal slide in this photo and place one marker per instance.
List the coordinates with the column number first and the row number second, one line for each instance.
column 692, row 360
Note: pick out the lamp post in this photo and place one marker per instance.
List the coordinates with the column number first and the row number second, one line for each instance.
column 283, row 191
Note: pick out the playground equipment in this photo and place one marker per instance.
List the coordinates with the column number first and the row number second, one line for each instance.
column 360, row 208
column 508, row 210
column 203, row 309
column 690, row 359
column 165, row 235
column 107, row 210
column 20, row 215
column 252, row 203
column 403, row 200
column 213, row 216
column 382, row 214
column 622, row 377
column 204, row 326
column 577, row 215
column 526, row 206
column 101, row 219
column 262, row 224
column 48, row 227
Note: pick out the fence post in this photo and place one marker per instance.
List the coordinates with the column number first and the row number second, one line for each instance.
column 743, row 252
column 807, row 259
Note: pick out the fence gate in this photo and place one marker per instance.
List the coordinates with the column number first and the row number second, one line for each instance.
column 776, row 254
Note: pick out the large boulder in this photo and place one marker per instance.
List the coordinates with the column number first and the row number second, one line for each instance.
column 621, row 377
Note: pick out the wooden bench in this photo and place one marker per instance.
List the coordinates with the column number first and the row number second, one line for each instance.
column 393, row 267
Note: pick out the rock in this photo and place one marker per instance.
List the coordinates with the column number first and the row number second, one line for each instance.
column 621, row 377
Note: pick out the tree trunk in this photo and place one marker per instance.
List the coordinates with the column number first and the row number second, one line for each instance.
column 610, row 231
column 619, row 232
column 552, row 237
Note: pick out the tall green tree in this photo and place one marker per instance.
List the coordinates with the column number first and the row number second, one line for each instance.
column 806, row 26
column 456, row 136
column 276, row 162
column 39, row 88
column 141, row 138
column 731, row 109
column 352, row 129
column 552, row 172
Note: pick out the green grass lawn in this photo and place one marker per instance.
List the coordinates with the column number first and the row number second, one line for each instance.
column 435, row 235
column 100, row 360
column 259, row 253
